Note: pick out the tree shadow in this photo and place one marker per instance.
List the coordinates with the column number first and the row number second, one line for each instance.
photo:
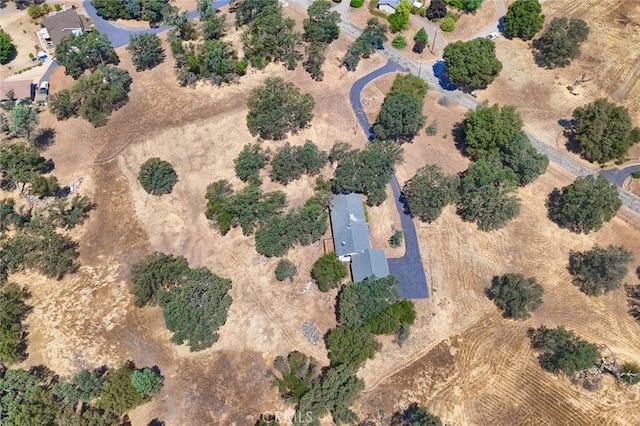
column 440, row 72
column 457, row 133
column 553, row 205
column 44, row 138
column 501, row 27
column 405, row 203
column 495, row 281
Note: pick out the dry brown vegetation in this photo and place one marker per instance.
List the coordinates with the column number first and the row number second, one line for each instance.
column 463, row 361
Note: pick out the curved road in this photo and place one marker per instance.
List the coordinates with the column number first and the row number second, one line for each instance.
column 408, row 268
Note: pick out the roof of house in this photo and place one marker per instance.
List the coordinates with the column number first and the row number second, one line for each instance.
column 350, row 230
column 61, row 24
column 372, row 262
column 21, row 88
column 393, row 3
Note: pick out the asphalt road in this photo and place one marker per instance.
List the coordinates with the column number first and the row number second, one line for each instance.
column 408, row 269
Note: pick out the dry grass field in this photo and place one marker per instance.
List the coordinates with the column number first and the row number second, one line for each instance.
column 463, row 361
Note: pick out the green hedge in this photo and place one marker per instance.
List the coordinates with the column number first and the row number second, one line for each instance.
column 356, row 3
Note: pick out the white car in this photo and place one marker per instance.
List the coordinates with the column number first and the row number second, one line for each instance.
column 44, row 87
column 492, row 36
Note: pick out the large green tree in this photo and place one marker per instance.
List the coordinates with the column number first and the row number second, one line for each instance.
column 399, row 20
column 488, row 128
column 521, row 157
column 429, row 192
column 250, row 161
column 13, row 341
column 523, row 19
column 277, row 108
column 6, row 47
column 599, row 270
column 560, row 42
column 365, row 171
column 351, row 346
column 415, row 415
column 146, row 51
column 295, row 374
column 328, row 271
column 196, row 308
column 359, row 302
column 472, row 64
column 153, row 273
column 21, row 163
column 322, row 23
column 291, row 162
column 87, row 51
column 562, row 351
column 333, row 392
column 485, row 195
column 371, row 38
column 604, row 131
column 516, row 295
column 400, row 118
column 157, row 176
column 22, row 120
column 585, row 205
column 94, row 96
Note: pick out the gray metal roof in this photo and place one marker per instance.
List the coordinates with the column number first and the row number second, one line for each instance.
column 372, row 262
column 392, row 3
column 349, row 227
column 61, row 24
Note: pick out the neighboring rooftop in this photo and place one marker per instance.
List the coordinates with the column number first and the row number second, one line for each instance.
column 350, row 230
column 61, row 24
column 372, row 262
column 21, row 89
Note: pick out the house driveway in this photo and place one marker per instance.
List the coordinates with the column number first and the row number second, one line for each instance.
column 408, row 268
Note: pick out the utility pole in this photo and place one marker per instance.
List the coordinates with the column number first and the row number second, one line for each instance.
column 434, row 41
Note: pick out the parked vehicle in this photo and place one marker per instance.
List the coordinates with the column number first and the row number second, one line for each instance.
column 44, row 87
column 493, row 36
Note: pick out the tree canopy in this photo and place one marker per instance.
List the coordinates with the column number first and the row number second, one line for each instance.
column 146, row 51
column 333, row 392
column 415, row 415
column 399, row 20
column 153, row 11
column 7, row 48
column 521, row 157
column 562, row 351
column 291, row 162
column 277, row 108
column 437, row 10
column 603, row 131
column 322, row 23
column 560, row 42
column 485, row 198
column 157, row 176
column 22, row 120
column 295, row 374
column 250, row 161
column 489, row 128
column 420, row 39
column 429, row 192
column 371, row 38
column 599, row 270
column 523, row 19
column 361, row 301
column 87, row 51
column 400, row 118
column 585, row 205
column 194, row 302
column 285, row 270
column 472, row 64
column 94, row 96
column 13, row 336
column 365, row 171
column 351, row 346
column 328, row 271
column 21, row 164
column 516, row 295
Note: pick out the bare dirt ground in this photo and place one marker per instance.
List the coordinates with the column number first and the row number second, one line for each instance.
column 462, row 360
column 469, row 24
column 609, row 65
column 20, row 27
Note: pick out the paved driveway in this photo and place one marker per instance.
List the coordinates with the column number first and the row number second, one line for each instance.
column 408, row 269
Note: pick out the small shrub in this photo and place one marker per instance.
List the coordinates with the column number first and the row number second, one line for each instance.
column 422, row 12
column 57, row 7
column 631, row 373
column 635, row 175
column 399, row 42
column 432, row 129
column 285, row 269
column 328, row 271
column 448, row 24
column 157, row 177
column 396, row 239
column 356, row 3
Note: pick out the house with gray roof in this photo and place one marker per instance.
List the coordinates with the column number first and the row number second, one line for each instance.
column 58, row 25
column 351, row 238
column 389, row 6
